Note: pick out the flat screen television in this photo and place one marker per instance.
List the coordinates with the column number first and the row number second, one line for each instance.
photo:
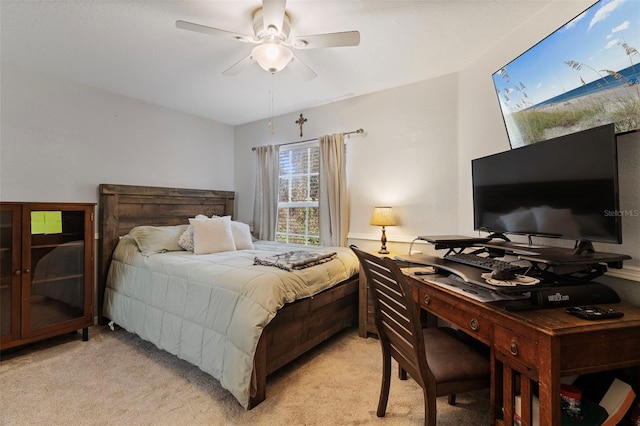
column 585, row 74
column 565, row 187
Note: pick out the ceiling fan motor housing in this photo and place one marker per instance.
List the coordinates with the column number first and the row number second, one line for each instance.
column 263, row 33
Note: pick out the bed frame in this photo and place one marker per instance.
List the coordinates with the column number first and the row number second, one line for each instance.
column 297, row 327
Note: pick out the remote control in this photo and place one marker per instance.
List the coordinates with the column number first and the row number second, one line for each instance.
column 594, row 312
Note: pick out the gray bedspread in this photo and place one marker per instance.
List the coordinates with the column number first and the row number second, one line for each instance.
column 210, row 310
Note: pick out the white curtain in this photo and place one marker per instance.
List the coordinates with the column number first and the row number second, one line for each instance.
column 265, row 207
column 334, row 199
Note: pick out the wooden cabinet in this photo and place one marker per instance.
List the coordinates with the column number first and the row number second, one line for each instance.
column 46, row 270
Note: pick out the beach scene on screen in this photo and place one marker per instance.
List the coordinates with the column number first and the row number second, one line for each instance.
column 583, row 75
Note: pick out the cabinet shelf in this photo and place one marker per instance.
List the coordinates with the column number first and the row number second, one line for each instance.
column 57, row 278
column 54, row 245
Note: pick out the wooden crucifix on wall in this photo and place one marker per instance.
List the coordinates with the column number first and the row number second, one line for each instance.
column 300, row 121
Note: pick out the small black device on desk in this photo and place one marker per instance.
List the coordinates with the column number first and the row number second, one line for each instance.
column 452, row 242
column 570, row 295
column 594, row 312
column 502, row 275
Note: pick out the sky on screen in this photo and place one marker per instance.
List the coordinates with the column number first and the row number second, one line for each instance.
column 592, row 39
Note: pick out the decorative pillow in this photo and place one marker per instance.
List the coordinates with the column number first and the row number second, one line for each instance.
column 212, row 235
column 157, row 239
column 241, row 235
column 186, row 239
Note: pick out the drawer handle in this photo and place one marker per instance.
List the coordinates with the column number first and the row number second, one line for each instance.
column 475, row 325
column 427, row 299
column 514, row 348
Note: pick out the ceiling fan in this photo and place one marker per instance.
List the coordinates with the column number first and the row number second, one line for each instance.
column 271, row 28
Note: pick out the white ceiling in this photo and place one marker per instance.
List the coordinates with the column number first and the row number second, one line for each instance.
column 133, row 48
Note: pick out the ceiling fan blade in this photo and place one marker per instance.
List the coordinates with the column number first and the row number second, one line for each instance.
column 301, row 69
column 347, row 38
column 190, row 26
column 273, row 14
column 239, row 66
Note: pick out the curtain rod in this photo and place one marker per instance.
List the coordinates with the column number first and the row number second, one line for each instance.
column 359, row 131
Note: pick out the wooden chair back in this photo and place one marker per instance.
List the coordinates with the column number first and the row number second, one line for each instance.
column 397, row 316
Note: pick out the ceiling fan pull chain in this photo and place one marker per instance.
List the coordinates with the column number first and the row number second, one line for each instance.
column 270, row 123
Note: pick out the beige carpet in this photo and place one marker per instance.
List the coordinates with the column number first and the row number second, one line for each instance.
column 117, row 379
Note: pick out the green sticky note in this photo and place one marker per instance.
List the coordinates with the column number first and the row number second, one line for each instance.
column 46, row 222
column 37, row 223
column 53, row 222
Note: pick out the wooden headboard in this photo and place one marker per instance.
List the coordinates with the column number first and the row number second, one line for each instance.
column 123, row 207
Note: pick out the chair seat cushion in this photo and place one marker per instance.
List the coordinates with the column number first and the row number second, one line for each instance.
column 452, row 357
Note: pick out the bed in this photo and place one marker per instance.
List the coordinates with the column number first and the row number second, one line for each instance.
column 273, row 339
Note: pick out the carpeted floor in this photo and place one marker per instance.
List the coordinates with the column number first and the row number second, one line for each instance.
column 117, row 379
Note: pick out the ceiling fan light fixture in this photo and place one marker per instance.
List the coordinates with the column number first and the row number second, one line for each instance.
column 272, row 57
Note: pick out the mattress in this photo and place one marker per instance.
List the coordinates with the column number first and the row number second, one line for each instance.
column 210, row 310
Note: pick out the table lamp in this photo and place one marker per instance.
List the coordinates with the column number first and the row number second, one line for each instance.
column 383, row 216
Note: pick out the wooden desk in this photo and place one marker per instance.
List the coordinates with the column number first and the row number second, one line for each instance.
column 538, row 346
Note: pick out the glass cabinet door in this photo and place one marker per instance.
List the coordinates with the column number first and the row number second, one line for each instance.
column 10, row 272
column 56, row 284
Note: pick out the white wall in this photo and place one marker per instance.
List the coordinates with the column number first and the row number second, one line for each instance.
column 407, row 157
column 59, row 140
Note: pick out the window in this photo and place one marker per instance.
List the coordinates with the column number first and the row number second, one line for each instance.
column 298, row 194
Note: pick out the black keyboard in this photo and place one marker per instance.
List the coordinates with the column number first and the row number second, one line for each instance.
column 488, row 263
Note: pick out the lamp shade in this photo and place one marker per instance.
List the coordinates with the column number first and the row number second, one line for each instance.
column 272, row 56
column 383, row 216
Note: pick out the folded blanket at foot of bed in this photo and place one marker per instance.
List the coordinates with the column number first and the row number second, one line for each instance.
column 296, row 259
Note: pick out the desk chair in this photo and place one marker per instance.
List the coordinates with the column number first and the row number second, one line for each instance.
column 438, row 358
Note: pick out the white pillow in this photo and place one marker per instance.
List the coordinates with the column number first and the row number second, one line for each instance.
column 157, row 239
column 186, row 239
column 241, row 235
column 212, row 235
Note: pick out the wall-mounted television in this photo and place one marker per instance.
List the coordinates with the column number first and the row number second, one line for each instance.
column 565, row 187
column 585, row 74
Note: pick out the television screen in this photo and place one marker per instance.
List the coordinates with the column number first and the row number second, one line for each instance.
column 566, row 187
column 583, row 75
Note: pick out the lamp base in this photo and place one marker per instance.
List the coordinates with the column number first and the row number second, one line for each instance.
column 383, row 240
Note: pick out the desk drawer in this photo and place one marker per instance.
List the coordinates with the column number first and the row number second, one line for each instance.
column 461, row 317
column 514, row 345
